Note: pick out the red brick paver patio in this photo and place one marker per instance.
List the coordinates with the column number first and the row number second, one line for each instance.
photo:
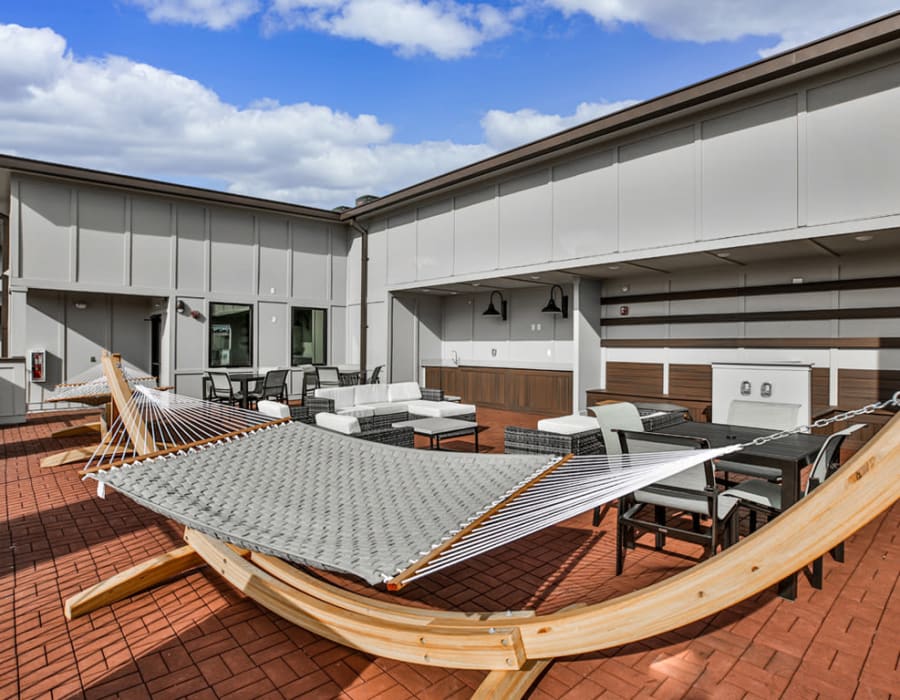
column 197, row 637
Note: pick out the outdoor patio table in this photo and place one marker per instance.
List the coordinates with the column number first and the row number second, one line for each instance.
column 244, row 379
column 789, row 454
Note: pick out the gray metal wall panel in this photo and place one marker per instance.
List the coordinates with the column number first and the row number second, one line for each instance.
column 458, row 317
column 231, row 253
column 101, row 237
column 44, row 321
column 87, row 332
column 339, row 264
column 475, row 226
column 523, row 325
column 151, row 243
column 46, row 229
column 749, row 174
column 191, row 247
column 190, row 337
column 585, row 207
column 273, row 338
column 130, row 329
column 526, row 224
column 404, row 355
column 853, row 147
column 354, row 255
column 434, row 241
column 430, row 324
column 337, row 333
column 309, row 243
column 377, row 272
column 401, row 248
column 657, row 191
column 376, row 345
column 274, row 257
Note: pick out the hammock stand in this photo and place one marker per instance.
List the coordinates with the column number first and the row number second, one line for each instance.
column 516, row 646
column 92, row 393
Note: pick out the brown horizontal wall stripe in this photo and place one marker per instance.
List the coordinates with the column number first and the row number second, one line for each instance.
column 830, row 286
column 634, row 378
column 857, row 387
column 817, row 343
column 807, row 315
column 691, row 381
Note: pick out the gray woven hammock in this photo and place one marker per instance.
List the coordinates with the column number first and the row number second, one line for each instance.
column 380, row 512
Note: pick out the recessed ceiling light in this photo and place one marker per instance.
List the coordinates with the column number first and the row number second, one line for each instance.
column 864, row 237
column 426, row 290
column 454, row 292
column 535, row 277
column 724, row 255
column 476, row 284
column 613, row 267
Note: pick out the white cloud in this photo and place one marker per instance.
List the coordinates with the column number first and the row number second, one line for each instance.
column 117, row 115
column 793, row 22
column 504, row 130
column 445, row 29
column 214, row 14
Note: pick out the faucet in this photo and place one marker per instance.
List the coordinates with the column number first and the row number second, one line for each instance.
column 455, row 357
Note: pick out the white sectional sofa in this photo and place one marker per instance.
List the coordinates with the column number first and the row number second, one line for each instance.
column 367, row 400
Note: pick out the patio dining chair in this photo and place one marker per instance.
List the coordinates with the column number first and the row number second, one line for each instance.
column 221, row 389
column 328, row 376
column 691, row 492
column 758, row 414
column 273, row 387
column 763, row 496
column 376, row 375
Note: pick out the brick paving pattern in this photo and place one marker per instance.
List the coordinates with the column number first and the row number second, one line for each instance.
column 196, row 637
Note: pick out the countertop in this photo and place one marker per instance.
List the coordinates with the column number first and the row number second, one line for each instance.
column 501, row 364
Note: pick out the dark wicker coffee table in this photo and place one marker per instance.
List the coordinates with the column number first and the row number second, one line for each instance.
column 437, row 428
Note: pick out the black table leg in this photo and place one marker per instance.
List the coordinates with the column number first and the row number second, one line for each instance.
column 790, row 494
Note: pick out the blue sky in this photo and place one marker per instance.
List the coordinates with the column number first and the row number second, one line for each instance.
column 317, row 101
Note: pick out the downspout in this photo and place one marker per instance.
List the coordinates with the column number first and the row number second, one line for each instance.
column 363, row 297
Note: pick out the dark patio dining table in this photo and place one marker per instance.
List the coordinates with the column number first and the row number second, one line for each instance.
column 244, row 378
column 790, row 454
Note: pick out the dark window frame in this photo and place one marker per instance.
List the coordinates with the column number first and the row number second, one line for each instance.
column 209, row 336
column 324, row 333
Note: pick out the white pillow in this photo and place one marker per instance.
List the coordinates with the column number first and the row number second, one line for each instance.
column 568, row 425
column 404, row 391
column 274, row 409
column 370, row 393
column 348, row 425
column 343, row 397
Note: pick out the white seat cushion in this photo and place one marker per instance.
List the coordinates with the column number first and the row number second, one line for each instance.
column 370, row 393
column 404, row 391
column 274, row 409
column 386, row 407
column 340, row 424
column 440, row 409
column 343, row 397
column 357, row 411
column 568, row 425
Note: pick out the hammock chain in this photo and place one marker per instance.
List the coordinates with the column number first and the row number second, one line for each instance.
column 822, row 422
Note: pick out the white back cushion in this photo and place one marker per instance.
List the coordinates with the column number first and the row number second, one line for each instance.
column 341, row 424
column 343, row 397
column 763, row 414
column 274, row 409
column 370, row 393
column 404, row 391
column 624, row 416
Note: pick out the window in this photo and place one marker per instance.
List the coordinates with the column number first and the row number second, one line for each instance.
column 230, row 333
column 308, row 328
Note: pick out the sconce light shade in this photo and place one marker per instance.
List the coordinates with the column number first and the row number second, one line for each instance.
column 80, row 305
column 552, row 308
column 179, row 306
column 491, row 310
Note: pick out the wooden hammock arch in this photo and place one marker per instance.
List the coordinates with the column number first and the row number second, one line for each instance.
column 516, row 646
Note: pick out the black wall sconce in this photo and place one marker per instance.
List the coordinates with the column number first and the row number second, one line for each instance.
column 491, row 310
column 552, row 308
column 180, row 307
